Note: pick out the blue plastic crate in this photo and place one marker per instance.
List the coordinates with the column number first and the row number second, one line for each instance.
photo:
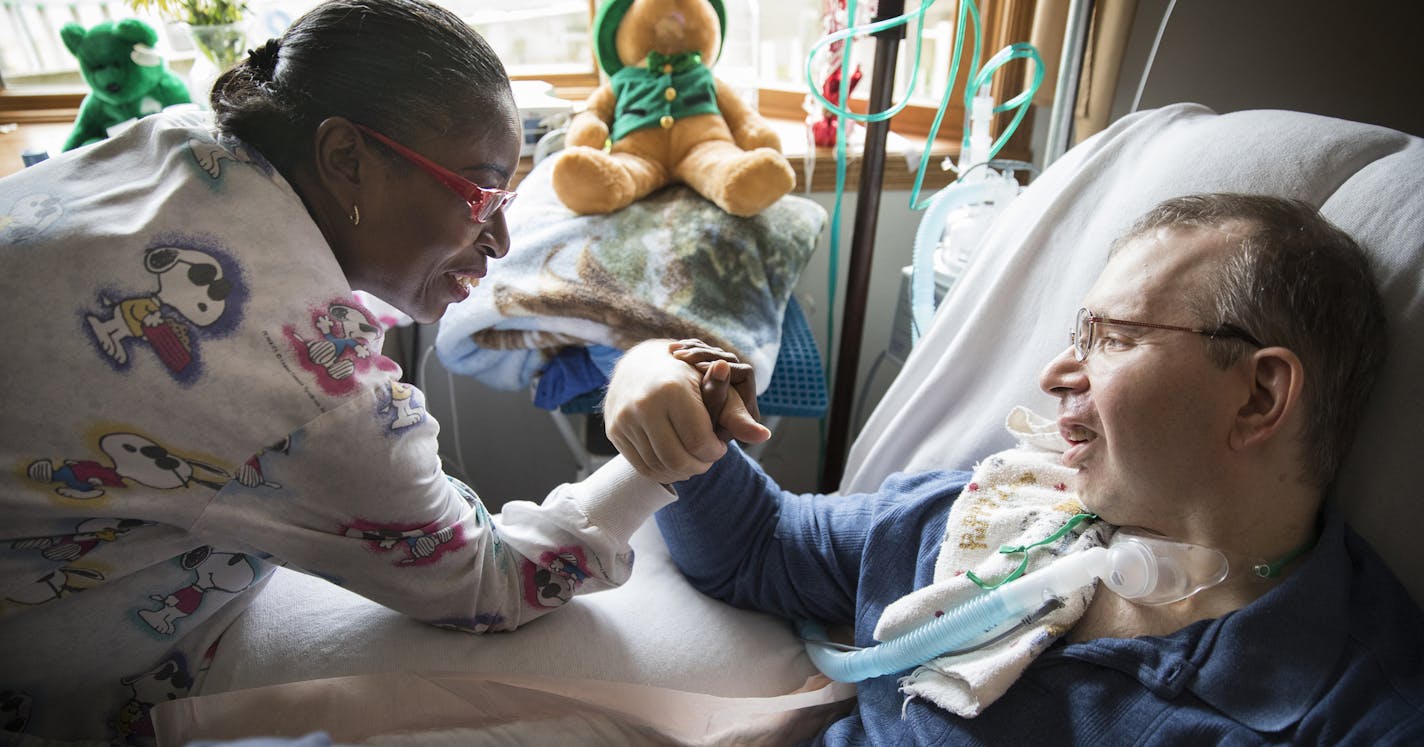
column 798, row 384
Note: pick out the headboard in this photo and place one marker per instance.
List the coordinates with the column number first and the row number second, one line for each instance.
column 1012, row 308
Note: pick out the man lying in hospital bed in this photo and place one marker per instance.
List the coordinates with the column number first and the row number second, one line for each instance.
column 1209, row 392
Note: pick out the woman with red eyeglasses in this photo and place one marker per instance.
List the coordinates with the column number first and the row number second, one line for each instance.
column 202, row 398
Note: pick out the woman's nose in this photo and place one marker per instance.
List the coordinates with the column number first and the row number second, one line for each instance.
column 494, row 237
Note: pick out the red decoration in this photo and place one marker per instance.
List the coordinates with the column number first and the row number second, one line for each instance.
column 824, row 131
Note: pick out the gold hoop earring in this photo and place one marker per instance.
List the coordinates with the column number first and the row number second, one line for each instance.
column 355, row 215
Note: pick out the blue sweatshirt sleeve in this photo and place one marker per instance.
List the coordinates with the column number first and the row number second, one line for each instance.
column 739, row 537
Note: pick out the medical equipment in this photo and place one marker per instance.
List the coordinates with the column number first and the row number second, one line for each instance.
column 540, row 112
column 955, row 222
column 978, row 145
column 1136, row 566
column 836, row 431
column 957, row 217
column 965, row 224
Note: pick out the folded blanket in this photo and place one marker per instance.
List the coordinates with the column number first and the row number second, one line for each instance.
column 669, row 265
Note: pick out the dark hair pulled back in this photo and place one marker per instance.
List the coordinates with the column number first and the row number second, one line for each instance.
column 400, row 66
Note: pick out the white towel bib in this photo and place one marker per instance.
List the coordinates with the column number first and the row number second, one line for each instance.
column 1016, row 497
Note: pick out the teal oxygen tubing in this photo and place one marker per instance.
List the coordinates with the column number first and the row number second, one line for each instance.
column 1142, row 568
column 978, row 79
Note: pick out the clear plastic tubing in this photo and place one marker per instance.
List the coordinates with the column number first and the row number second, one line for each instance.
column 969, row 622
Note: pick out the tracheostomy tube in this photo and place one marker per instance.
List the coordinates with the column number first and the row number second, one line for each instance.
column 1137, row 566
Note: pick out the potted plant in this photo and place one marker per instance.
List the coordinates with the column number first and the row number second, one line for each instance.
column 217, row 26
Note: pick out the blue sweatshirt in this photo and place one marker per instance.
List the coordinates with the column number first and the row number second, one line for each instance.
column 1333, row 655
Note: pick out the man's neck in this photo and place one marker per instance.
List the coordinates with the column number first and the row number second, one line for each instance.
column 1111, row 616
column 1254, row 513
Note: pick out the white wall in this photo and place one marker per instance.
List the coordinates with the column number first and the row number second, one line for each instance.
column 1358, row 60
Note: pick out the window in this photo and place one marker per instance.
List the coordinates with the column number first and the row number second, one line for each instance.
column 1002, row 21
column 764, row 55
column 539, row 38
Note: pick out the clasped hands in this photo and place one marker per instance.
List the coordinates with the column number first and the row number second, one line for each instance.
column 672, row 405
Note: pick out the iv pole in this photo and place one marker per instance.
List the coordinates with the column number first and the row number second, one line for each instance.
column 862, row 246
column 1070, row 67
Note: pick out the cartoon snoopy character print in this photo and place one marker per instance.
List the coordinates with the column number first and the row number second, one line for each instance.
column 167, row 680
column 29, row 217
column 417, row 545
column 554, row 582
column 210, row 156
column 251, row 474
column 346, row 332
column 193, row 291
column 212, row 571
column 404, row 407
column 132, row 458
column 67, row 548
column 88, row 535
column 58, row 584
column 347, row 340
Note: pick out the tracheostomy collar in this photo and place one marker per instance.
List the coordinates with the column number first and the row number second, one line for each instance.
column 1148, row 569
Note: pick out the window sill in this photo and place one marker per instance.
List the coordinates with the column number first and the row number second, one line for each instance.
column 52, row 104
column 901, row 155
column 45, row 129
column 29, row 136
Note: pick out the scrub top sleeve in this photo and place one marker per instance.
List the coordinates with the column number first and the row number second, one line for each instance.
column 357, row 496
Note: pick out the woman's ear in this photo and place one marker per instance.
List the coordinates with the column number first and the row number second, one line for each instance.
column 339, row 154
column 1276, row 379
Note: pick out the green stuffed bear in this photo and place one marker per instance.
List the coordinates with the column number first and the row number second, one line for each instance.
column 127, row 79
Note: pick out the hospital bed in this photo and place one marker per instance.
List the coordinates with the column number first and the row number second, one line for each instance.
column 655, row 662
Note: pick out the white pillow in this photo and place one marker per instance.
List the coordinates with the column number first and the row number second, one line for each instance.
column 1011, row 311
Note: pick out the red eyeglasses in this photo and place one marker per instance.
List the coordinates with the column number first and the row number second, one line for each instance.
column 484, row 203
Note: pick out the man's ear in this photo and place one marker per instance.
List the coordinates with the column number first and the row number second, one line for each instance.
column 341, row 158
column 1276, row 379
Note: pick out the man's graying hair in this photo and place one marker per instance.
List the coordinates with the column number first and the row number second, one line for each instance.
column 1296, row 281
column 399, row 66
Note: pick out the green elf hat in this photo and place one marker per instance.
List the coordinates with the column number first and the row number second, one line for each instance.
column 605, row 28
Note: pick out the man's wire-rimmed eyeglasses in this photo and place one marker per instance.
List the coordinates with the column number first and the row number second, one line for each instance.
column 1081, row 336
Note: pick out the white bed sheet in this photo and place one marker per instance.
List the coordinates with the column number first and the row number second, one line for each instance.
column 655, row 630
column 652, row 662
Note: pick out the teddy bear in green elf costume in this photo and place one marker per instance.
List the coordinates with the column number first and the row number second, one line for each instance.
column 666, row 117
column 127, row 78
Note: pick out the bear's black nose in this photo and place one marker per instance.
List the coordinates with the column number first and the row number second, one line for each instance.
column 112, row 88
